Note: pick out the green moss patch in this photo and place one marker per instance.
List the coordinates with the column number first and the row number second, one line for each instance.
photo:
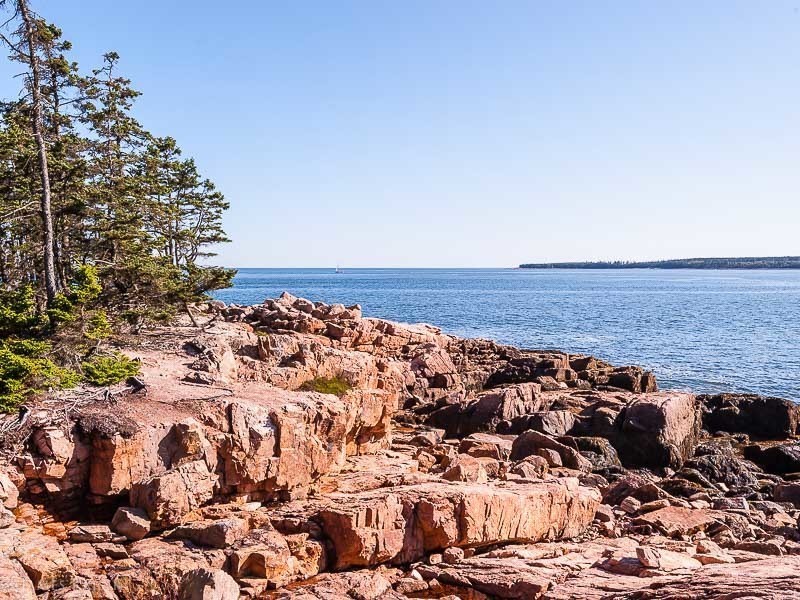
column 334, row 385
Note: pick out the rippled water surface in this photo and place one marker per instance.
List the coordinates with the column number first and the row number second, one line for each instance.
column 698, row 330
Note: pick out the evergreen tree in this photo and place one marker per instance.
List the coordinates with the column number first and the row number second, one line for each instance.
column 101, row 222
column 29, row 41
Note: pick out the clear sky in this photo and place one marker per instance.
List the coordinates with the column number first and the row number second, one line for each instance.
column 462, row 133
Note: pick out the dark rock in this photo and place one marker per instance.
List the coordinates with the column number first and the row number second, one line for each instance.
column 760, row 416
column 695, row 476
column 625, row 486
column 658, row 430
column 551, row 422
column 788, row 492
column 735, row 473
column 679, row 486
column 528, row 443
column 778, row 460
column 633, row 379
column 486, row 412
column 599, row 451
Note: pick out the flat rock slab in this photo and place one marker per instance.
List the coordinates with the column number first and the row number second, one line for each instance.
column 497, row 578
column 770, row 579
column 403, row 524
column 676, row 520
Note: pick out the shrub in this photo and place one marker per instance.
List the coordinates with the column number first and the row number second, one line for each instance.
column 83, row 291
column 98, row 326
column 26, row 370
column 18, row 311
column 108, row 370
column 335, row 385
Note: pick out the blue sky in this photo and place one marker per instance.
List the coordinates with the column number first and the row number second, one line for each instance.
column 461, row 133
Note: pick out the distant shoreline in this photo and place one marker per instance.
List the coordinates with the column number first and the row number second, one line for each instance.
column 763, row 262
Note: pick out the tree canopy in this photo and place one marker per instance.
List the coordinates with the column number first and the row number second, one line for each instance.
column 88, row 196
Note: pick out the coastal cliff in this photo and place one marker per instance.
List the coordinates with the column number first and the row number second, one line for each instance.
column 438, row 467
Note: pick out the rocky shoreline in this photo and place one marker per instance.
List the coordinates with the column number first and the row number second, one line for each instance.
column 445, row 468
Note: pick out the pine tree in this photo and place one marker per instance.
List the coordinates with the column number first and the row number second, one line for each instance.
column 115, row 138
column 109, row 193
column 27, row 46
column 101, row 222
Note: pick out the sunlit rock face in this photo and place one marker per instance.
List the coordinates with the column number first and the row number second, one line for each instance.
column 297, row 449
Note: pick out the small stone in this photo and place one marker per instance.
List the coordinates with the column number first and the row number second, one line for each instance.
column 109, row 550
column 605, row 514
column 91, row 534
column 770, row 548
column 133, row 523
column 434, row 559
column 630, row 505
column 453, row 555
column 654, row 505
column 665, row 560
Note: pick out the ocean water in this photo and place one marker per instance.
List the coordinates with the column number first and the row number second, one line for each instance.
column 703, row 331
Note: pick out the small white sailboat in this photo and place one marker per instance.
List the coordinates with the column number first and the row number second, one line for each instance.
column 338, row 270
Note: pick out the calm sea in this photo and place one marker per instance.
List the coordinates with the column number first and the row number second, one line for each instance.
column 698, row 330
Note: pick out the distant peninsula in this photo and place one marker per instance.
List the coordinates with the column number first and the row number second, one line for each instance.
column 748, row 262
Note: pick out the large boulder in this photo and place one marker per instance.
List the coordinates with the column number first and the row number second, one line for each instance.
column 779, row 459
column 482, row 577
column 487, row 445
column 598, row 451
column 14, row 583
column 402, row 524
column 550, row 422
column 44, row 560
column 488, row 411
column 165, row 564
column 736, row 474
column 633, row 379
column 208, row 584
column 9, row 494
column 532, row 442
column 529, row 366
column 133, row 523
column 787, row 492
column 658, row 430
column 266, row 555
column 168, row 498
column 758, row 416
column 364, row 584
column 769, row 579
column 215, row 533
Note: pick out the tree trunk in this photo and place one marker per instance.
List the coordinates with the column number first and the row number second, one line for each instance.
column 50, row 279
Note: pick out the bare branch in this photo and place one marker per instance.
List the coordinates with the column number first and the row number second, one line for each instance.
column 11, row 214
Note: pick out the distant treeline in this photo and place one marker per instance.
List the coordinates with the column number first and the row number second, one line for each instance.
column 747, row 262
